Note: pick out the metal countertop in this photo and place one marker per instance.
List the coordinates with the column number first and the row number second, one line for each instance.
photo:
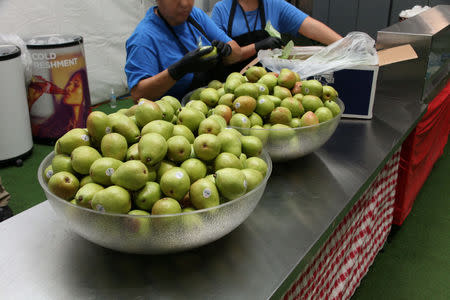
column 304, row 200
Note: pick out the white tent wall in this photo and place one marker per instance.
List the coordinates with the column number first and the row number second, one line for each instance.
column 104, row 25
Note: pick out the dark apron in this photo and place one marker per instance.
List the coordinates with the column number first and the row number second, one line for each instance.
column 200, row 78
column 251, row 37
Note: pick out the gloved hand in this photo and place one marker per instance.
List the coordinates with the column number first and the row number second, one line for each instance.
column 268, row 43
column 223, row 49
column 193, row 62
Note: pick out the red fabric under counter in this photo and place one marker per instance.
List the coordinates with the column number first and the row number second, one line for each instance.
column 421, row 149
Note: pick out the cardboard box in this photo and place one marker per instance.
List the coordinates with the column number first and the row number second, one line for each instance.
column 357, row 85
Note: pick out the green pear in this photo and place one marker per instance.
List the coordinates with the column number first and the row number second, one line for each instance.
column 297, row 89
column 211, row 178
column 323, row 114
column 148, row 111
column 85, row 180
column 287, row 78
column 72, row 139
column 183, row 131
column 231, row 183
column 209, row 96
column 312, row 87
column 224, row 111
column 82, row 158
column 311, row 102
column 333, row 106
column 253, row 177
column 198, row 105
column 64, row 185
column 102, row 169
column 133, row 152
column 231, row 85
column 195, row 168
column 147, row 196
column 98, row 124
column 264, row 106
column 255, row 119
column 140, row 226
column 196, row 94
column 62, row 162
column 163, row 167
column 299, row 97
column 243, row 159
column 281, row 92
column 230, row 142
column 178, row 148
column 295, row 123
column 85, row 194
column 207, row 146
column 173, row 101
column 209, row 125
column 222, row 122
column 236, row 75
column 280, row 133
column 275, row 100
column 162, row 127
column 190, row 118
column 152, row 173
column 226, row 99
column 131, row 175
column 257, row 164
column 221, row 91
column 215, row 84
column 131, row 111
column 227, row 160
column 280, row 115
column 240, row 120
column 251, row 145
column 167, row 110
column 260, row 132
column 125, row 126
column 166, row 206
column 294, row 106
column 114, row 145
column 113, row 199
column 269, row 80
column 204, row 194
column 175, row 183
column 247, row 89
column 254, row 73
column 308, row 119
column 47, row 173
column 152, row 148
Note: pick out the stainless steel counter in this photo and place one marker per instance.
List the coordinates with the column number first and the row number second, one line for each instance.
column 303, row 202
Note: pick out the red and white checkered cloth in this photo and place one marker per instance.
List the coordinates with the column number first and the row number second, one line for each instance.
column 341, row 263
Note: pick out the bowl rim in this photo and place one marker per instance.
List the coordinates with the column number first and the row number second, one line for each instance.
column 264, row 155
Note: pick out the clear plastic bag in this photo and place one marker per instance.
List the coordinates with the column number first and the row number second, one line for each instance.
column 13, row 39
column 357, row 48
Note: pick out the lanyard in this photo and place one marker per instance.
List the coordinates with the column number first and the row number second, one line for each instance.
column 246, row 21
column 190, row 20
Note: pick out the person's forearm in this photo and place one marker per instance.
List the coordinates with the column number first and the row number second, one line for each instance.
column 236, row 53
column 248, row 51
column 154, row 87
column 316, row 30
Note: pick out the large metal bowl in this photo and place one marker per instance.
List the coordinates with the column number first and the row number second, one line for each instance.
column 286, row 144
column 155, row 234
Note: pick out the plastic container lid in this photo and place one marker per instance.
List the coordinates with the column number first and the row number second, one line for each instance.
column 9, row 52
column 51, row 41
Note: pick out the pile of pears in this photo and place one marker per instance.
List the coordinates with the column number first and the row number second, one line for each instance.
column 267, row 100
column 156, row 158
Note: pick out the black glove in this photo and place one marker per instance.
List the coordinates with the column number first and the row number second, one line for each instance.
column 268, row 43
column 193, row 62
column 223, row 49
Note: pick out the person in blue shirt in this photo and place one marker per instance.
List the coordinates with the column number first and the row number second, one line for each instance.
column 244, row 21
column 163, row 57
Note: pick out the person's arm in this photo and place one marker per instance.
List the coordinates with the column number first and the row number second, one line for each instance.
column 316, row 30
column 236, row 53
column 154, row 87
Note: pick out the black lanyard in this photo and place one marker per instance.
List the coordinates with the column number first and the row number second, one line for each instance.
column 261, row 14
column 190, row 21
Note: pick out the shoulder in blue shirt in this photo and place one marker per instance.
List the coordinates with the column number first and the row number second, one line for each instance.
column 284, row 17
column 152, row 47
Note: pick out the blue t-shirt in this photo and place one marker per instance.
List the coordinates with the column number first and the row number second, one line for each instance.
column 284, row 17
column 152, row 47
